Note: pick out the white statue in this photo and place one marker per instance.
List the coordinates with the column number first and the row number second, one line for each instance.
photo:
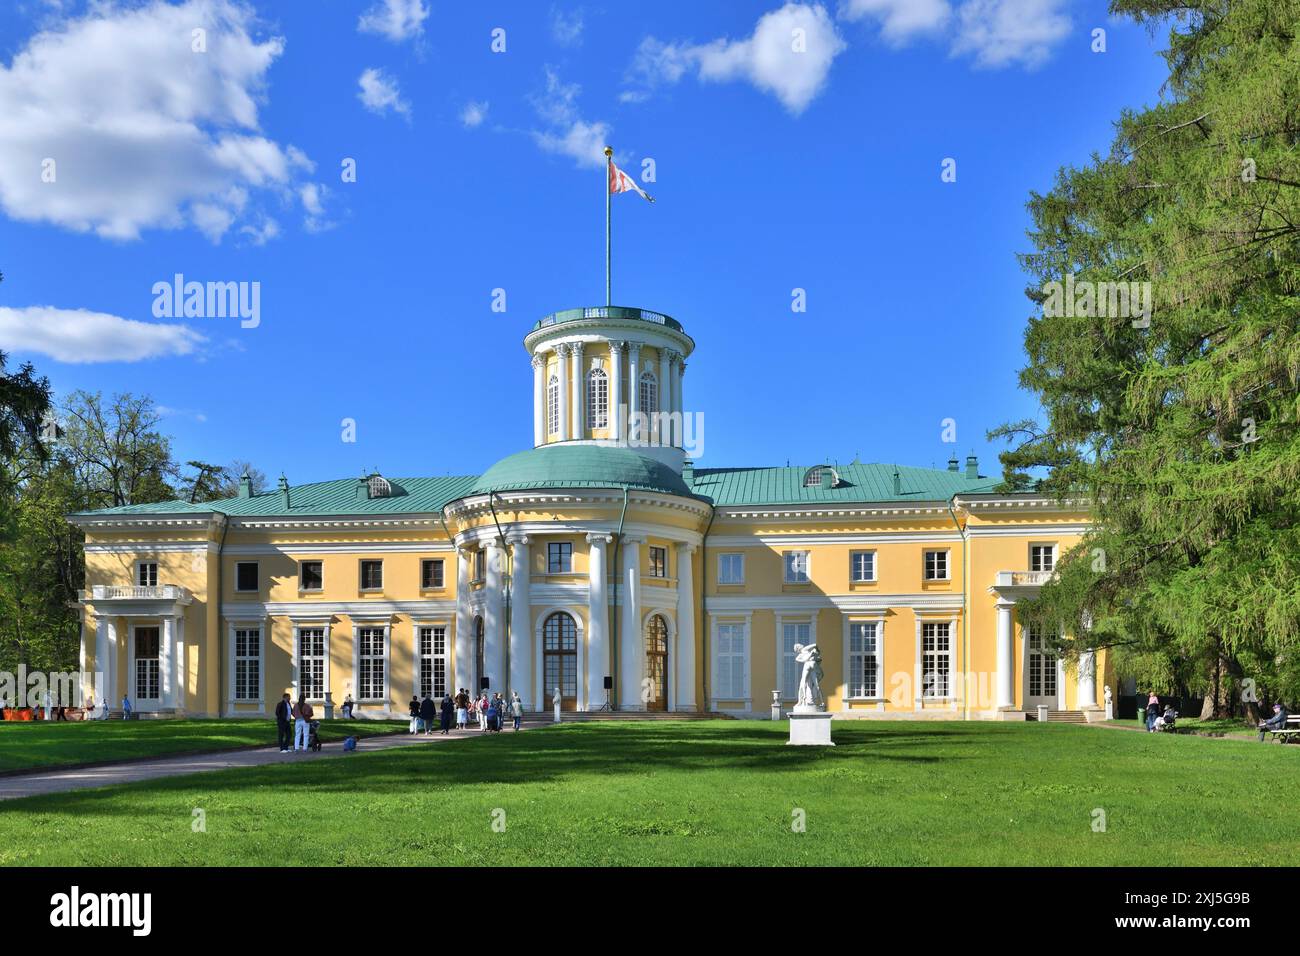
column 810, row 678
column 1110, row 707
column 555, row 701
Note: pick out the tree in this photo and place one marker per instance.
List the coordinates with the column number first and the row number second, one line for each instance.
column 1181, row 427
column 116, row 450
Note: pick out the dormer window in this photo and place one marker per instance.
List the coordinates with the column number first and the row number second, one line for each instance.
column 379, row 486
column 821, row 476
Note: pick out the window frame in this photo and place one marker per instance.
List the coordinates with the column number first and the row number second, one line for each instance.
column 246, row 659
column 927, row 688
column 361, row 575
column 744, row 654
column 1034, row 547
column 433, row 657
column 300, row 632
column 257, row 571
column 302, row 564
column 947, row 564
column 565, row 551
column 853, row 566
column 384, row 657
column 853, row 673
column 441, row 565
column 722, row 565
column 597, row 398
column 647, row 380
column 787, row 567
column 657, row 569
column 785, row 657
column 553, row 404
column 139, row 571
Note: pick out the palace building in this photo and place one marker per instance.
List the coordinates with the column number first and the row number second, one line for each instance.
column 612, row 570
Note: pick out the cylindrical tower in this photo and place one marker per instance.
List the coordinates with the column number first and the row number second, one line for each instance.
column 610, row 375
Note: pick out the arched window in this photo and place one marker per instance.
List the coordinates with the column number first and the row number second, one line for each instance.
column 553, row 405
column 597, row 398
column 655, row 693
column 649, row 394
column 560, row 657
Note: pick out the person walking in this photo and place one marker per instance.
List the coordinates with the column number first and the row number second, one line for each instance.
column 482, row 712
column 283, row 728
column 302, row 725
column 428, row 709
column 415, row 714
column 516, row 708
column 126, row 707
column 448, row 712
column 1153, row 711
column 1276, row 722
column 462, row 709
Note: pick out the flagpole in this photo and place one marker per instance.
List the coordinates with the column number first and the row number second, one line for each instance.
column 609, row 159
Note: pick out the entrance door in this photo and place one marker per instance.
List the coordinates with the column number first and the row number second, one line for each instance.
column 656, row 664
column 1040, row 670
column 147, row 688
column 560, row 659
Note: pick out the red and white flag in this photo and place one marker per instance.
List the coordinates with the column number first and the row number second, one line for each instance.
column 621, row 182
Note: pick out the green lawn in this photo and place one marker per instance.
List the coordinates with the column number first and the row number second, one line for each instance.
column 40, row 744
column 720, row 792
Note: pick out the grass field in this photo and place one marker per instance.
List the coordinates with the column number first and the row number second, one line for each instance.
column 42, row 744
column 722, row 792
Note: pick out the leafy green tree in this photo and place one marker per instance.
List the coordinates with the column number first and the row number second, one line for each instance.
column 1181, row 427
column 117, row 451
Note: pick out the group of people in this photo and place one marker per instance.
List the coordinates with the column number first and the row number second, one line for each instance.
column 490, row 712
column 293, row 724
column 1158, row 720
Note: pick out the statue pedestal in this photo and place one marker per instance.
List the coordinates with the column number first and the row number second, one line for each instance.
column 810, row 729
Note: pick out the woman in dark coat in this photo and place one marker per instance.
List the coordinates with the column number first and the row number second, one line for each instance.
column 448, row 712
column 428, row 710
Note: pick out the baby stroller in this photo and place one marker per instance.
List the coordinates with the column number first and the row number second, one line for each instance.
column 1165, row 724
column 313, row 737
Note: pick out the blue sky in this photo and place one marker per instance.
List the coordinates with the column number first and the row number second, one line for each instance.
column 478, row 170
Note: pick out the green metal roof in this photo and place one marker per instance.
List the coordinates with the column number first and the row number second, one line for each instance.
column 580, row 466
column 608, row 312
column 859, row 484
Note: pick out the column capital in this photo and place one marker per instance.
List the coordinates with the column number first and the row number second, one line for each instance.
column 538, row 360
column 686, row 547
column 562, row 349
column 634, row 349
column 576, row 348
column 634, row 539
column 516, row 538
column 599, row 538
column 616, row 348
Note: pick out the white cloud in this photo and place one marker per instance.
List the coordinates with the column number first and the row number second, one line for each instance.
column 396, row 20
column 566, row 132
column 1003, row 32
column 789, row 55
column 995, row 33
column 474, row 114
column 144, row 132
column 567, row 28
column 380, row 93
column 80, row 336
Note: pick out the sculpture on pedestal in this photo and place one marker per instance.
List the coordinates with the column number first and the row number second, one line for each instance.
column 810, row 678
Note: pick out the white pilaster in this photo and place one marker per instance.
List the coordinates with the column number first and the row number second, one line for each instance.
column 663, row 430
column 631, row 649
column 166, row 662
column 494, row 647
column 919, row 676
column 597, row 619
column 1087, row 679
column 561, row 370
column 1006, row 657
column 576, row 386
column 615, row 385
column 684, row 686
column 463, row 658
column 521, row 658
column 539, row 400
column 633, row 389
column 106, row 660
column 182, row 671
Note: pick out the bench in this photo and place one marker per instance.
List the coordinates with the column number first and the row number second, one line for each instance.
column 1290, row 732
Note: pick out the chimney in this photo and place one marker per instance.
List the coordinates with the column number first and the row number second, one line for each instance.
column 363, row 488
column 972, row 467
column 245, row 485
column 898, row 482
column 284, row 491
column 952, row 463
column 688, row 470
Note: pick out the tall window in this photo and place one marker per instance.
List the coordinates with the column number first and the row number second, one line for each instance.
column 370, row 663
column 480, row 564
column 1042, row 557
column 862, row 566
column 731, row 568
column 553, row 405
column 792, row 634
column 560, row 655
column 1042, row 664
column 431, row 574
column 936, row 660
column 248, row 663
column 372, row 575
column 648, row 401
column 559, row 557
column 597, row 398
column 864, row 660
column 146, row 663
column 936, row 565
column 311, row 662
column 658, row 562
column 147, row 574
column 730, row 661
column 796, row 567
column 433, row 661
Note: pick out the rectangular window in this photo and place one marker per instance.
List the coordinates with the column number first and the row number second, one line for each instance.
column 658, row 562
column 796, row 567
column 372, row 575
column 1042, row 663
column 936, row 660
column 559, row 557
column 731, row 568
column 480, row 565
column 311, row 662
column 936, row 565
column 862, row 566
column 731, row 662
column 1042, row 557
column 370, row 664
column 433, row 661
column 864, row 660
column 431, row 574
column 248, row 663
column 311, row 576
column 147, row 574
column 792, row 634
column 146, row 663
column 245, row 575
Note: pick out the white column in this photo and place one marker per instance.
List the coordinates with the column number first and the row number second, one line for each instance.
column 685, row 658
column 920, row 663
column 539, row 400
column 1006, row 656
column 494, row 646
column 663, row 431
column 105, row 660
column 576, row 383
column 562, row 351
column 166, row 661
column 615, row 386
column 521, row 620
column 597, row 619
column 633, row 387
column 463, row 658
column 181, row 671
column 631, row 650
column 679, row 366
